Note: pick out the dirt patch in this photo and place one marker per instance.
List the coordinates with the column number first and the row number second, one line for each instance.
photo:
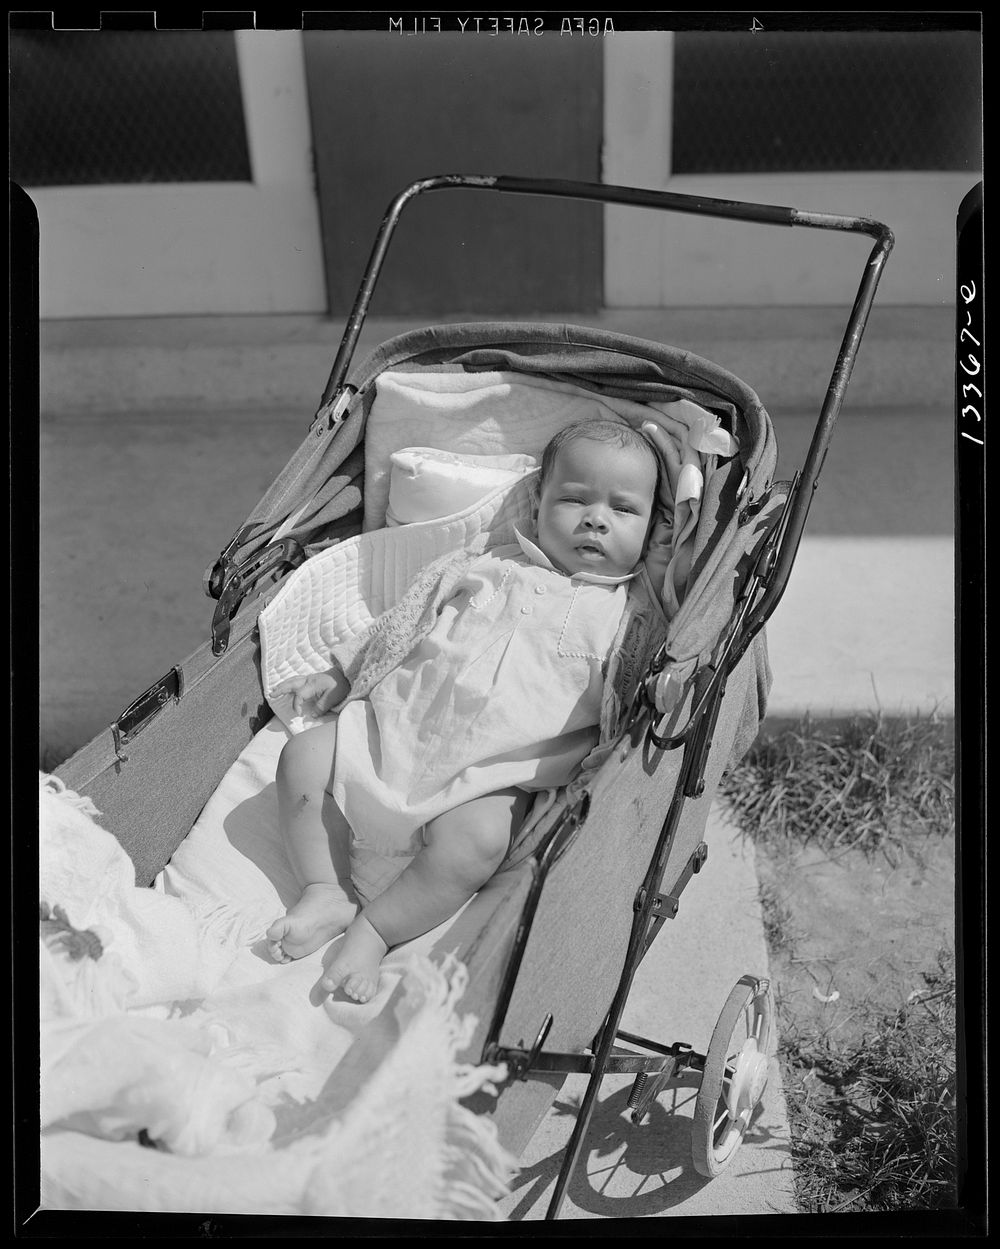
column 853, row 827
column 861, row 963
column 848, row 934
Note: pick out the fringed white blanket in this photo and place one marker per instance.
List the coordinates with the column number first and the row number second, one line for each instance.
column 182, row 1072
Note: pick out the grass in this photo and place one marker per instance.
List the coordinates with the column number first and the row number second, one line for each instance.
column 776, row 917
column 873, row 1122
column 871, row 784
column 871, row 1108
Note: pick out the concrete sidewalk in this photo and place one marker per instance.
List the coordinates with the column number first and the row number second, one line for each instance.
column 629, row 1171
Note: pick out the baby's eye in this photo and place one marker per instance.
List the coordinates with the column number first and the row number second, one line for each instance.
column 625, row 507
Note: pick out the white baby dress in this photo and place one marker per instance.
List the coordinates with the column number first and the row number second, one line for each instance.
column 504, row 691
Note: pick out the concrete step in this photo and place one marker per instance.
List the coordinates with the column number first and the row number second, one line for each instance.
column 223, row 363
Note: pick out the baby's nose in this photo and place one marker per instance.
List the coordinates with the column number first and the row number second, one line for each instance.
column 595, row 519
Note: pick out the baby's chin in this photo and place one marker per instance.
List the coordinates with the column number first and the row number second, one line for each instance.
column 595, row 563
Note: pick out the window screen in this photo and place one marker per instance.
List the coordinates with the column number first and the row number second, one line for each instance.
column 125, row 106
column 826, row 101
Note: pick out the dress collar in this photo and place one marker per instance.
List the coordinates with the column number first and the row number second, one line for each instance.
column 538, row 556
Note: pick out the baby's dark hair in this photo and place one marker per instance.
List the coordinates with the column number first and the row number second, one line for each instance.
column 616, row 432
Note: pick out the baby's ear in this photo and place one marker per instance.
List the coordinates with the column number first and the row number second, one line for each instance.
column 661, row 530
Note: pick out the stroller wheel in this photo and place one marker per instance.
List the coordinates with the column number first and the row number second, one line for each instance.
column 734, row 1078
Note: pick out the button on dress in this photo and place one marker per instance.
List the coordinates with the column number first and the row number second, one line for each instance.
column 504, row 691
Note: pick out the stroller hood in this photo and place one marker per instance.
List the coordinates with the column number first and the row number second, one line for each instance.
column 318, row 497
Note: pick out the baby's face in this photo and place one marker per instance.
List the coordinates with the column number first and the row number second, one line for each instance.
column 595, row 509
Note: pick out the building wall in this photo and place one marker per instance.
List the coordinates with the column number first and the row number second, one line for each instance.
column 156, row 248
column 665, row 259
column 460, row 252
column 188, row 248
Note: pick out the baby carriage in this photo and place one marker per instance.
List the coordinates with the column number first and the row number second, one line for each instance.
column 552, row 942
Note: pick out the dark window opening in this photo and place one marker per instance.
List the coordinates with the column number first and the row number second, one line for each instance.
column 108, row 107
column 827, row 101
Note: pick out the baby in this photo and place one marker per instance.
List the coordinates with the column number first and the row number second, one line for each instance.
column 501, row 696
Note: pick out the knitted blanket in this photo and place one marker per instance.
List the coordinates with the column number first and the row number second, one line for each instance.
column 334, row 596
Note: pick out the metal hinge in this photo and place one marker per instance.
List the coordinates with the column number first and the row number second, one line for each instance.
column 271, row 562
column 519, row 1059
column 331, row 414
column 139, row 713
column 754, row 505
column 666, row 905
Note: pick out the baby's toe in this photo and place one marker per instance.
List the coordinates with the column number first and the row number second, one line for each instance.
column 359, row 987
column 274, row 937
column 334, row 978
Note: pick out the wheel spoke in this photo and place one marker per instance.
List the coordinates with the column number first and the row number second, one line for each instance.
column 731, row 1074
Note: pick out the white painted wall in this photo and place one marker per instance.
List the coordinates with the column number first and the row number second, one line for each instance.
column 187, row 249
column 193, row 248
column 668, row 259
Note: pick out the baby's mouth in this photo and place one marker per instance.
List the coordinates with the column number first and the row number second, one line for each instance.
column 593, row 549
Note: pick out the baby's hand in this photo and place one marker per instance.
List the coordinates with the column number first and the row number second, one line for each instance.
column 320, row 692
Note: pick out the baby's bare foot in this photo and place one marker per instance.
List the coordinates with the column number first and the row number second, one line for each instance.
column 321, row 913
column 355, row 969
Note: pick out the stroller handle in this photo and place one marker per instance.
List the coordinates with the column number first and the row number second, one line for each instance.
column 639, row 197
column 736, row 210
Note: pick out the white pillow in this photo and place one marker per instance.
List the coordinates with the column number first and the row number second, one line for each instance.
column 427, row 484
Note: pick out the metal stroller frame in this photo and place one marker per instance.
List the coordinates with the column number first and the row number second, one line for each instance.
column 716, row 1138
column 734, row 1086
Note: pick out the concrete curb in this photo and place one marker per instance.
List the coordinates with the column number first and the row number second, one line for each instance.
column 220, row 363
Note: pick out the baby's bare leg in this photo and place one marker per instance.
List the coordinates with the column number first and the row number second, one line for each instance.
column 463, row 849
column 317, row 838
